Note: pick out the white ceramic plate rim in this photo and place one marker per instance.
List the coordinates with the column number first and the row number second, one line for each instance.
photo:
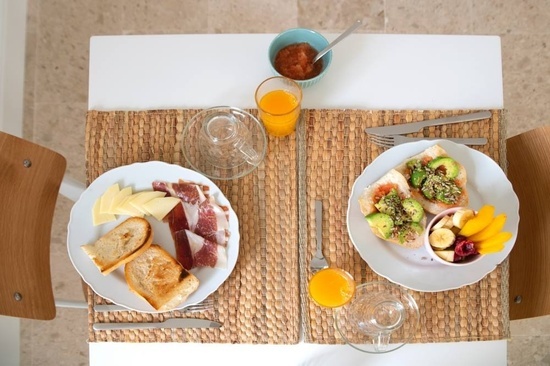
column 415, row 269
column 141, row 176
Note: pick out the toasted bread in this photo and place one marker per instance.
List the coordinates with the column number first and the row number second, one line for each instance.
column 120, row 245
column 372, row 194
column 160, row 279
column 431, row 205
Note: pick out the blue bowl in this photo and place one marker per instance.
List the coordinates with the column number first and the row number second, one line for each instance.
column 299, row 35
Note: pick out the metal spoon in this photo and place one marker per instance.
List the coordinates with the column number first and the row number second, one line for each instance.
column 355, row 25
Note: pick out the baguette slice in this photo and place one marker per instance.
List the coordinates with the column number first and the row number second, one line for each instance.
column 371, row 195
column 120, row 245
column 160, row 279
column 434, row 206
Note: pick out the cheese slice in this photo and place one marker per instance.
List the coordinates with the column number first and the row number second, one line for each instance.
column 99, row 218
column 143, row 197
column 107, row 198
column 161, row 206
column 118, row 199
column 125, row 208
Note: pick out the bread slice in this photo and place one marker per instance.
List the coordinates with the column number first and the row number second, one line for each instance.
column 392, row 179
column 160, row 279
column 373, row 193
column 434, row 206
column 120, row 245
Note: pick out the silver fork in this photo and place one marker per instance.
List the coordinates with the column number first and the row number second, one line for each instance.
column 393, row 140
column 206, row 304
column 318, row 261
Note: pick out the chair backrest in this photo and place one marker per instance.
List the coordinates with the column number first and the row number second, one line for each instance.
column 529, row 171
column 30, row 176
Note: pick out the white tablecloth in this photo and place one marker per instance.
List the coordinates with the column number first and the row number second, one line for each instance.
column 368, row 72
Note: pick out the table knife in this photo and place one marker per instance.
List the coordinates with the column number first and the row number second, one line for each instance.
column 417, row 126
column 168, row 323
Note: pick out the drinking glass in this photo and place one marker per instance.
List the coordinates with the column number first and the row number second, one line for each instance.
column 381, row 317
column 224, row 142
column 331, row 287
column 278, row 100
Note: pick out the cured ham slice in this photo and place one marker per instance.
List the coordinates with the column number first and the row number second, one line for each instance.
column 199, row 226
column 184, row 254
column 206, row 253
column 212, row 223
column 188, row 192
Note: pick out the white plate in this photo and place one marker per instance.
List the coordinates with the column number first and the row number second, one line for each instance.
column 140, row 176
column 414, row 269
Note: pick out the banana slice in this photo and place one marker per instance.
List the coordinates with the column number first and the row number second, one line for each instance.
column 445, row 222
column 462, row 216
column 448, row 255
column 442, row 238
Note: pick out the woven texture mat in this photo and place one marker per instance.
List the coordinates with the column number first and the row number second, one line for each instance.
column 259, row 302
column 333, row 152
column 265, row 298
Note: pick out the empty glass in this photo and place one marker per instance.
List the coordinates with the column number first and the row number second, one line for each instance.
column 224, row 142
column 381, row 317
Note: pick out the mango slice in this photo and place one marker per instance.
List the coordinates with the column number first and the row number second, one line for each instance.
column 492, row 249
column 483, row 218
column 498, row 239
column 491, row 230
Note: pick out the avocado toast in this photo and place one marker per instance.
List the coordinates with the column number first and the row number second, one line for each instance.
column 392, row 214
column 436, row 180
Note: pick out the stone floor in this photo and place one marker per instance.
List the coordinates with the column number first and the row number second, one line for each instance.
column 56, row 85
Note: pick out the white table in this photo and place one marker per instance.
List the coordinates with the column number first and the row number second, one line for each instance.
column 368, row 72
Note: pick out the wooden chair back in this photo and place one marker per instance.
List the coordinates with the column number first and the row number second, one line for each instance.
column 529, row 171
column 30, row 177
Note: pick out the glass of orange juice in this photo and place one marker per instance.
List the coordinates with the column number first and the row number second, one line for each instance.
column 331, row 287
column 278, row 100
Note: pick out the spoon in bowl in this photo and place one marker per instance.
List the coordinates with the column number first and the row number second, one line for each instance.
column 321, row 53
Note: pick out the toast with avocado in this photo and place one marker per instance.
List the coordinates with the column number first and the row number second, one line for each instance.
column 160, row 279
column 120, row 245
column 392, row 214
column 436, row 180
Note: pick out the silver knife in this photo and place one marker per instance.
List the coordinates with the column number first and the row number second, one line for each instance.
column 417, row 126
column 168, row 323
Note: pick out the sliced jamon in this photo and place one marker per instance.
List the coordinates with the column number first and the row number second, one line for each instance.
column 177, row 219
column 184, row 254
column 199, row 226
column 212, row 223
column 205, row 252
column 188, row 192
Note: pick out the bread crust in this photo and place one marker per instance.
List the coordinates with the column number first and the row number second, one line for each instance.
column 120, row 245
column 367, row 199
column 159, row 279
column 434, row 206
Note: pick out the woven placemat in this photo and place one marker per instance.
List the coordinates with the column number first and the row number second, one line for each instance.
column 333, row 152
column 259, row 302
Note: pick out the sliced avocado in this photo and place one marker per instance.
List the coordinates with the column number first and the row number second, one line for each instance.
column 442, row 197
column 413, row 209
column 417, row 177
column 449, row 164
column 417, row 228
column 381, row 222
column 428, row 191
column 413, row 163
column 388, row 202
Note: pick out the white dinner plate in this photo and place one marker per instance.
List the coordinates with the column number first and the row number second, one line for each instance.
column 413, row 268
column 140, row 176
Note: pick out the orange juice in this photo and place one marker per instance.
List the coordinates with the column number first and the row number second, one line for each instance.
column 279, row 112
column 331, row 287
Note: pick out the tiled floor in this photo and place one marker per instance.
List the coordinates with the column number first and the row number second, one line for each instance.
column 56, row 85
